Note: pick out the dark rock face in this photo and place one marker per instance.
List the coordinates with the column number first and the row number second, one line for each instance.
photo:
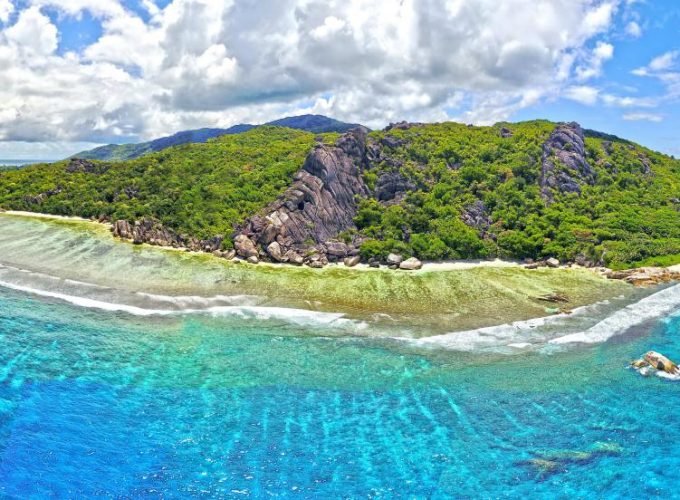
column 152, row 232
column 391, row 184
column 476, row 216
column 39, row 198
column 505, row 133
column 319, row 205
column 564, row 165
column 77, row 165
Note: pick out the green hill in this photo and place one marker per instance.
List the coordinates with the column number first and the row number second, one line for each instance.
column 437, row 191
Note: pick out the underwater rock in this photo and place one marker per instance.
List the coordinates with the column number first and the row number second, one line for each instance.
column 554, row 298
column 547, row 462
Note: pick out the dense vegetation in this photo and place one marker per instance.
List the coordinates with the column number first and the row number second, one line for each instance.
column 119, row 152
column 197, row 189
column 630, row 214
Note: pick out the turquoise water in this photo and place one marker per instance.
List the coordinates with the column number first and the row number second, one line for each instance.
column 100, row 403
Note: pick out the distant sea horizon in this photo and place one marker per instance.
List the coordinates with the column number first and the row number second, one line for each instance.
column 21, row 163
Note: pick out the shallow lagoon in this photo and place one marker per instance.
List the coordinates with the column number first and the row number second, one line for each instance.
column 233, row 402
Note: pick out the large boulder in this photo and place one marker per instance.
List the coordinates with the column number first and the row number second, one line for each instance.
column 392, row 184
column 275, row 252
column 394, row 259
column 337, row 249
column 245, row 247
column 411, row 264
column 352, row 261
column 553, row 262
column 661, row 363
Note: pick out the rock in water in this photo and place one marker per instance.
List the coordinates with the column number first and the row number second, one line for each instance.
column 661, row 363
column 653, row 362
column 411, row 264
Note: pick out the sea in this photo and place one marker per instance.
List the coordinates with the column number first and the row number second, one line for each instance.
column 10, row 164
column 171, row 395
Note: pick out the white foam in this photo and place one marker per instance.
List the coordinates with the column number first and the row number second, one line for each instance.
column 299, row 317
column 553, row 331
column 655, row 306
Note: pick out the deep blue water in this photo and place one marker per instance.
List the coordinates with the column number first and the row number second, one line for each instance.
column 95, row 403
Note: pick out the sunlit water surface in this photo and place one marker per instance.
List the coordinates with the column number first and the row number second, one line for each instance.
column 258, row 401
column 100, row 403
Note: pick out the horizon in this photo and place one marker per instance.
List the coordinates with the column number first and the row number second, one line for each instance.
column 84, row 74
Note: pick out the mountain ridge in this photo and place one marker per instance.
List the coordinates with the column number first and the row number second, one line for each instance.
column 119, row 152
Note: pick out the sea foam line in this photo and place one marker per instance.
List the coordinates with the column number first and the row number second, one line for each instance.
column 299, row 317
column 653, row 307
column 541, row 333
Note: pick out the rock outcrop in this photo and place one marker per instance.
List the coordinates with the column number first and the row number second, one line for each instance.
column 391, row 185
column 564, row 163
column 39, row 198
column 645, row 276
column 319, row 205
column 154, row 233
column 477, row 216
column 78, row 165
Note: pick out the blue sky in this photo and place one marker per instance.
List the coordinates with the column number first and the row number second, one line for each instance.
column 78, row 73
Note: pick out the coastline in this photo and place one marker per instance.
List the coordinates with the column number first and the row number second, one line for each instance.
column 82, row 258
column 428, row 266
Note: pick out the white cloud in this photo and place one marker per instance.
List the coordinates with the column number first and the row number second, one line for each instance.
column 583, row 94
column 33, row 34
column 634, row 29
column 649, row 117
column 592, row 66
column 6, row 8
column 664, row 61
column 205, row 62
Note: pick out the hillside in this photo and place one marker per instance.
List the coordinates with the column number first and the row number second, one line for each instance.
column 437, row 191
column 118, row 152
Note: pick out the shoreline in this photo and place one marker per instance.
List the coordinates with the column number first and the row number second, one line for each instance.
column 428, row 266
column 441, row 297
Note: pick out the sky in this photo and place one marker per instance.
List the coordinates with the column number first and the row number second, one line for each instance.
column 79, row 73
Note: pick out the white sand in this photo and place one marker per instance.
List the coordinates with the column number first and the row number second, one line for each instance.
column 36, row 215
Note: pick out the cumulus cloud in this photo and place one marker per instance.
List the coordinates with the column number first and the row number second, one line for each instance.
column 6, row 8
column 583, row 94
column 634, row 29
column 649, row 117
column 592, row 66
column 207, row 62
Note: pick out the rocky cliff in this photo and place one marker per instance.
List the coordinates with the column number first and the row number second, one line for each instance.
column 320, row 204
column 564, row 164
